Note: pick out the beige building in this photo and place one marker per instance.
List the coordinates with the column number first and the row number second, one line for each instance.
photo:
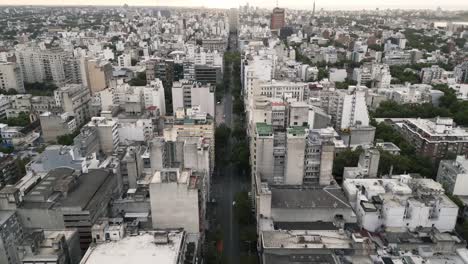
column 176, row 201
column 53, row 125
column 108, row 133
column 98, row 74
column 74, row 99
column 11, row 77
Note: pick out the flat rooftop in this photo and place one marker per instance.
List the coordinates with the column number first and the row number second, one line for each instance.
column 139, row 249
column 263, row 129
column 328, row 197
column 87, row 186
column 306, row 239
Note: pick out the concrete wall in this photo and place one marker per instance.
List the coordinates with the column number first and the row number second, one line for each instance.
column 174, row 206
column 177, row 98
column 326, row 164
column 41, row 218
column 52, row 127
column 204, row 98
column 294, row 161
column 264, row 158
column 74, row 249
column 312, row 214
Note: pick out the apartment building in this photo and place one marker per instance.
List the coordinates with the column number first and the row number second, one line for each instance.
column 453, row 175
column 11, row 77
column 74, row 99
column 435, row 138
column 187, row 94
column 400, row 202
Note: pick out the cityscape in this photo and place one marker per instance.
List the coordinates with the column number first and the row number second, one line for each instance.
column 227, row 133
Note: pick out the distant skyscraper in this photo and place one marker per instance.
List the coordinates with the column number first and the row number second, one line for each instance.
column 313, row 11
column 277, row 18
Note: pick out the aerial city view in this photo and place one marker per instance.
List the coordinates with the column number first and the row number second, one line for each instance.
column 244, row 132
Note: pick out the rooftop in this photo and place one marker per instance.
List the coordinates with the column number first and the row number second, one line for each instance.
column 140, row 249
column 263, row 129
column 51, row 189
column 328, row 197
column 436, row 127
column 297, row 130
column 317, row 239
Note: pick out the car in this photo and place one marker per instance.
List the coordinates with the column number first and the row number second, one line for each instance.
column 218, row 102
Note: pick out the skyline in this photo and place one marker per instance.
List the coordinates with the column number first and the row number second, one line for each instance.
column 293, row 4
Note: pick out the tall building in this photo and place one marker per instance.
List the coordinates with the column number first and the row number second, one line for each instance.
column 157, row 68
column 11, row 77
column 461, row 72
column 74, row 99
column 98, row 74
column 187, row 94
column 435, row 138
column 11, row 235
column 349, row 108
column 108, row 133
column 295, row 157
column 177, row 200
column 53, row 64
column 9, row 171
column 154, row 96
column 277, row 18
column 453, row 175
column 431, row 73
column 207, row 74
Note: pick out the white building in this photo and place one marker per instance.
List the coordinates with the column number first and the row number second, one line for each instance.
column 430, row 74
column 281, row 90
column 461, row 90
column 453, row 175
column 54, row 64
column 186, row 94
column 373, row 72
column 11, row 77
column 154, row 96
column 411, row 94
column 139, row 130
column 348, row 108
column 108, row 133
column 400, row 203
column 124, row 60
column 112, row 245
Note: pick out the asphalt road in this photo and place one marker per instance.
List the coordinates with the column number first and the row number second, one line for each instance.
column 226, row 183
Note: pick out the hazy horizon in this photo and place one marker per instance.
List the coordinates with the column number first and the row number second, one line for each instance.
column 294, row 4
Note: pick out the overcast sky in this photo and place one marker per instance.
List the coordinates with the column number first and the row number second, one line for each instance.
column 304, row 4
